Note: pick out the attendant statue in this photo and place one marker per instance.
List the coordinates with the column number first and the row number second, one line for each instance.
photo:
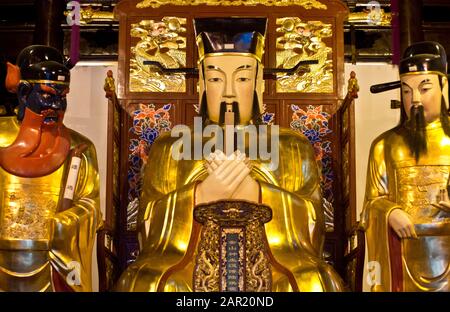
column 49, row 181
column 110, row 85
column 192, row 207
column 353, row 86
column 407, row 210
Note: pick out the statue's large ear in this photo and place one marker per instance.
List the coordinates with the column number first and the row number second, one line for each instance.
column 259, row 88
column 201, row 79
column 445, row 95
column 203, row 110
column 12, row 79
column 23, row 90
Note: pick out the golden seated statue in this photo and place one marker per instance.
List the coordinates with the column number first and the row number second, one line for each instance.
column 184, row 206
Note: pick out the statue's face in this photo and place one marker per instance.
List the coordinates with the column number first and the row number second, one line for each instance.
column 230, row 78
column 423, row 90
column 46, row 99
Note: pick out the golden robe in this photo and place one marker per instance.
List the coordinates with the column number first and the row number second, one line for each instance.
column 295, row 234
column 37, row 241
column 395, row 180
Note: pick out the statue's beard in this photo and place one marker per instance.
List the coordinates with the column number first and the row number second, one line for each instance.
column 416, row 138
column 256, row 113
column 40, row 147
column 223, row 110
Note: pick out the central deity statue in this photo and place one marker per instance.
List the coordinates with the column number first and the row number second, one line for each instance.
column 266, row 219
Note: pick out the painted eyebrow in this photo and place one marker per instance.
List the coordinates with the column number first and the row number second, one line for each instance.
column 241, row 68
column 421, row 83
column 212, row 67
column 215, row 68
column 425, row 81
column 405, row 84
column 244, row 67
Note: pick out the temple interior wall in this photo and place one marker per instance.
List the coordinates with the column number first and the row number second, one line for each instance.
column 87, row 113
column 373, row 116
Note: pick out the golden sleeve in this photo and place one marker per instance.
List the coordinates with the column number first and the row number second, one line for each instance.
column 165, row 217
column 167, row 202
column 297, row 188
column 377, row 188
column 74, row 230
column 376, row 210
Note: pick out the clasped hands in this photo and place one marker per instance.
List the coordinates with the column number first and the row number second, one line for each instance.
column 228, row 178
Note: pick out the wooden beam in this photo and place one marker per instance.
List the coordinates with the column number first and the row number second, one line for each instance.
column 410, row 23
column 48, row 31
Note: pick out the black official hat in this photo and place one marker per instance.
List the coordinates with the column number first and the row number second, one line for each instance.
column 427, row 57
column 236, row 35
column 43, row 64
column 424, row 57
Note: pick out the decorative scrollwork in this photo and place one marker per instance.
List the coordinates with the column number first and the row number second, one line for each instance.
column 162, row 41
column 206, row 274
column 27, row 217
column 307, row 4
column 232, row 254
column 259, row 273
column 371, row 17
column 88, row 14
column 297, row 41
